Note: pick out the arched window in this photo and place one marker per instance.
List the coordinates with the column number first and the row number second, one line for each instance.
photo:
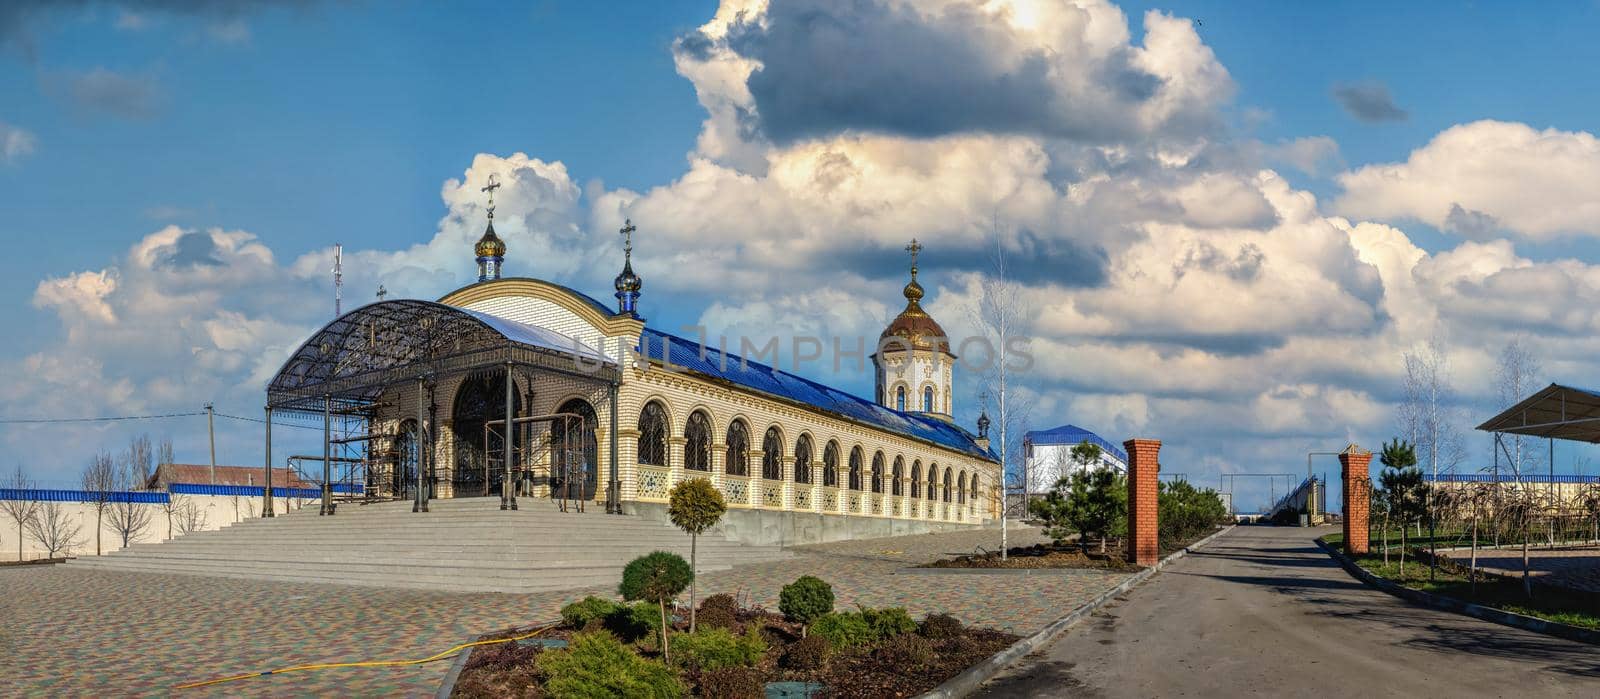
column 802, row 459
column 895, row 488
column 653, row 434
column 900, row 398
column 927, row 399
column 738, row 453
column 916, row 479
column 977, row 495
column 933, row 480
column 772, row 454
column 697, row 442
column 830, row 465
column 947, row 485
column 877, row 472
column 855, row 468
column 961, row 488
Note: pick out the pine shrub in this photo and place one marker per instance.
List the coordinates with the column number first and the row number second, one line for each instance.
column 596, row 664
column 905, row 651
column 588, row 610
column 805, row 600
column 888, row 622
column 809, row 653
column 710, row 649
column 631, row 622
column 844, row 630
column 938, row 626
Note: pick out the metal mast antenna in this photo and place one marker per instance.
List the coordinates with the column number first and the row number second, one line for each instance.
column 338, row 280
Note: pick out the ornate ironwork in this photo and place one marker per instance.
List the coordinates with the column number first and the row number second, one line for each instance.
column 855, row 469
column 565, row 439
column 877, row 472
column 738, row 450
column 653, row 434
column 830, row 466
column 802, row 459
column 697, row 442
column 896, row 487
column 772, row 454
column 653, row 483
column 933, row 481
column 916, row 479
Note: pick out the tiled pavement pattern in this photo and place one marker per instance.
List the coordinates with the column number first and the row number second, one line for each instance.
column 1577, row 568
column 68, row 631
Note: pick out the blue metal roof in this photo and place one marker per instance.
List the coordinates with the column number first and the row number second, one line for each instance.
column 685, row 355
column 1073, row 434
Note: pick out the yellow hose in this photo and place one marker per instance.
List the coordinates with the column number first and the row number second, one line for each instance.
column 368, row 663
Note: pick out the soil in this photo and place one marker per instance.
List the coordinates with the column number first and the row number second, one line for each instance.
column 507, row 670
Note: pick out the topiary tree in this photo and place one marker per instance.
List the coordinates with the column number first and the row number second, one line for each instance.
column 656, row 577
column 805, row 600
column 695, row 506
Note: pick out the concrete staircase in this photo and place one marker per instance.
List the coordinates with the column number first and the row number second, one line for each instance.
column 466, row 545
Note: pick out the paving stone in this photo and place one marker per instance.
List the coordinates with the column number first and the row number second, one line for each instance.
column 82, row 631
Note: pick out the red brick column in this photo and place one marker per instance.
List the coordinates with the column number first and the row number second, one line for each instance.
column 1353, row 464
column 1143, row 467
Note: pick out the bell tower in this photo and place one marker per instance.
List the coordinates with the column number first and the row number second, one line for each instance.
column 913, row 364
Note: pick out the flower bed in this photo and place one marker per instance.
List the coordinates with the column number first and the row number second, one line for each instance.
column 736, row 651
column 1067, row 555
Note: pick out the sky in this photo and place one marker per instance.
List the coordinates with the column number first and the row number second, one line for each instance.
column 1228, row 222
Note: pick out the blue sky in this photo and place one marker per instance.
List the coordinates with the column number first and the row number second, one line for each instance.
column 301, row 124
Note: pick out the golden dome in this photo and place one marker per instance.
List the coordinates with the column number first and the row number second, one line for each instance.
column 490, row 244
column 914, row 325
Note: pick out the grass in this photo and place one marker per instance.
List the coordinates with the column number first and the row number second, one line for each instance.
column 1551, row 604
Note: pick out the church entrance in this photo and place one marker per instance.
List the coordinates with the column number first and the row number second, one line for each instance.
column 574, row 452
column 479, row 462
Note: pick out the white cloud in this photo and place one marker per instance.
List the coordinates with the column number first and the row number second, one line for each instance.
column 1479, row 178
column 15, row 143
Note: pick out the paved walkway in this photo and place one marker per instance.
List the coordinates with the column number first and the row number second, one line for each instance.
column 1263, row 611
column 1576, row 567
column 68, row 631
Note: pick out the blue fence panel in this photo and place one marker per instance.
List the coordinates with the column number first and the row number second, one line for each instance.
column 1512, row 478
column 254, row 491
column 50, row 495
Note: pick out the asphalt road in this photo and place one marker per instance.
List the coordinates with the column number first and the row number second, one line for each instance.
column 1263, row 611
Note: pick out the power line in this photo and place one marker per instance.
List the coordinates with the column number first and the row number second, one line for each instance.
column 116, row 418
column 274, row 424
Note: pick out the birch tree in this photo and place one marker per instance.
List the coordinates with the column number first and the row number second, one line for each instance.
column 23, row 508
column 999, row 317
column 1516, row 375
column 1429, row 416
column 128, row 518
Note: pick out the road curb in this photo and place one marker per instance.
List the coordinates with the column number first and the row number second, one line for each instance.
column 965, row 683
column 1451, row 604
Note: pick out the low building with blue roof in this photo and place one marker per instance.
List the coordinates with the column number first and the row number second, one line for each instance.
column 1048, row 455
column 609, row 411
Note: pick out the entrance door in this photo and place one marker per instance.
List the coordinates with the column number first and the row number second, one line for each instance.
column 575, row 445
column 478, row 470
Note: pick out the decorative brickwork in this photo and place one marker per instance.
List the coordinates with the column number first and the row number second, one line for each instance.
column 1353, row 463
column 1144, row 466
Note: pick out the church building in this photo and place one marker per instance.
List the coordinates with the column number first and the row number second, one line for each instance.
column 607, row 412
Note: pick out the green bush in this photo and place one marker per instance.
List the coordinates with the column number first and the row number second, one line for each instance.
column 888, row 622
column 719, row 611
column 655, row 577
column 844, row 630
column 732, row 683
column 597, row 665
column 805, row 600
column 907, row 651
column 809, row 653
column 1187, row 512
column 588, row 610
column 1092, row 503
column 939, row 626
column 709, row 649
column 631, row 622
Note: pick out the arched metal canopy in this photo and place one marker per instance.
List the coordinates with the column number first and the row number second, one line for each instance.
column 361, row 353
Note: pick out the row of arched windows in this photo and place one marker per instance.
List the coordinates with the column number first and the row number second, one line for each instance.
column 900, row 399
column 697, row 457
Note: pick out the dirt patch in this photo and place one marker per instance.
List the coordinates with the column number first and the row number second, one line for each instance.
column 1064, row 555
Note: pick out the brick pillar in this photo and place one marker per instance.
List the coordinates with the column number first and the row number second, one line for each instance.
column 1353, row 464
column 1143, row 468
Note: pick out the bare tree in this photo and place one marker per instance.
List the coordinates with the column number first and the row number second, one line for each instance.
column 1516, row 374
column 21, row 509
column 1429, row 416
column 1000, row 317
column 191, row 517
column 99, row 481
column 128, row 518
column 55, row 529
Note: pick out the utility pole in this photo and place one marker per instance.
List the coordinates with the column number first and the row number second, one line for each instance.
column 211, row 434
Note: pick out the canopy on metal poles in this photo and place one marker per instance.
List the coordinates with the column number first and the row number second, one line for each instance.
column 1554, row 412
